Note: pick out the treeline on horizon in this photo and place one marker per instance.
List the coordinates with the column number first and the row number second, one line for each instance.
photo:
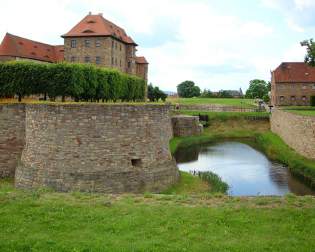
column 81, row 82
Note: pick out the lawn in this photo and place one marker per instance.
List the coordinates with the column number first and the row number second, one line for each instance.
column 248, row 103
column 300, row 110
column 48, row 221
column 303, row 112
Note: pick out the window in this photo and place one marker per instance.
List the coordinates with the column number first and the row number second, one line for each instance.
column 120, row 47
column 87, row 43
column 116, row 45
column 304, row 87
column 98, row 43
column 313, row 86
column 293, row 98
column 136, row 162
column 116, row 62
column 98, row 60
column 120, row 63
column 129, row 64
column 73, row 58
column 87, row 59
column 113, row 44
column 112, row 61
column 304, row 98
column 73, row 43
column 282, row 98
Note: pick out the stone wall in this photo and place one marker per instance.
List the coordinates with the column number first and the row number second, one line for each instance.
column 296, row 130
column 109, row 149
column 184, row 126
column 12, row 135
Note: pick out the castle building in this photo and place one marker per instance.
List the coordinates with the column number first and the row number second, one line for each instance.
column 292, row 84
column 93, row 40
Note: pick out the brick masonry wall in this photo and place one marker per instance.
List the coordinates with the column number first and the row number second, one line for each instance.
column 12, row 135
column 108, row 149
column 296, row 130
column 184, row 126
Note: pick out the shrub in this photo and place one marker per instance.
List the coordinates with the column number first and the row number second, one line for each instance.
column 79, row 81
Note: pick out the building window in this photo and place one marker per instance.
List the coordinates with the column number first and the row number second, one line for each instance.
column 116, row 45
column 98, row 60
column 98, row 43
column 304, row 87
column 313, row 86
column 73, row 43
column 113, row 44
column 112, row 61
column 73, row 59
column 281, row 98
column 304, row 98
column 120, row 63
column 87, row 43
column 129, row 64
column 293, row 98
column 87, row 59
column 120, row 47
column 116, row 62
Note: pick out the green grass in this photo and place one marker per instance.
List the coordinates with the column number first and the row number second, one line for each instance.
column 223, row 116
column 47, row 221
column 188, row 185
column 222, row 101
column 303, row 112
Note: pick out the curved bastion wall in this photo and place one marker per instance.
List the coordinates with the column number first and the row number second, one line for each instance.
column 97, row 148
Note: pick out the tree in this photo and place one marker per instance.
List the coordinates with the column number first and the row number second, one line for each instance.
column 155, row 94
column 206, row 94
column 310, row 48
column 187, row 89
column 257, row 89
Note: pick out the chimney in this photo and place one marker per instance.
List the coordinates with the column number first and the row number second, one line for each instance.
column 90, row 12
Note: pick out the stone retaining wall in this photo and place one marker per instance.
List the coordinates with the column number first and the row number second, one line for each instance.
column 110, row 149
column 296, row 130
column 184, row 126
column 12, row 135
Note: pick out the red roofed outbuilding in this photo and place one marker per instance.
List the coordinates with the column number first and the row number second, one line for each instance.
column 292, row 84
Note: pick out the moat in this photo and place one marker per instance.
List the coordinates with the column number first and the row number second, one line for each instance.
column 247, row 171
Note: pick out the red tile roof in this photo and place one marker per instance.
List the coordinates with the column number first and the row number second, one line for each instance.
column 294, row 72
column 96, row 26
column 21, row 47
column 141, row 60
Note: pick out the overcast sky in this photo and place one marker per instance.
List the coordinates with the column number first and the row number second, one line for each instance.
column 219, row 44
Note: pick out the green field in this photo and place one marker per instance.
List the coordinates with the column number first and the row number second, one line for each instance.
column 300, row 110
column 303, row 112
column 48, row 221
column 222, row 101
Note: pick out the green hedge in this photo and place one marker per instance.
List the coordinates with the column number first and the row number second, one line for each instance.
column 82, row 82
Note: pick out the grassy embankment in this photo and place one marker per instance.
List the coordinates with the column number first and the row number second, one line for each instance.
column 235, row 126
column 47, row 221
column 304, row 111
column 43, row 220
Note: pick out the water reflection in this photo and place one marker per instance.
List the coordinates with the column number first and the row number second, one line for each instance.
column 247, row 171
